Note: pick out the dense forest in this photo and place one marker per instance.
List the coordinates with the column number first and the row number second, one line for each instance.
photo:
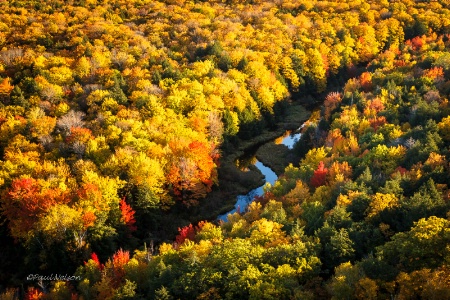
column 115, row 116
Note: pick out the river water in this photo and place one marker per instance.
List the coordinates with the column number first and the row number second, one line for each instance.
column 242, row 201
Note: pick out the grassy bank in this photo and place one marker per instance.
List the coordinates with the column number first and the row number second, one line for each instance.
column 274, row 156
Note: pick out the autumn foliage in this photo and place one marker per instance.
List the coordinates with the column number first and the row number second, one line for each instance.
column 188, row 233
column 5, row 87
column 191, row 175
column 34, row 294
column 436, row 73
column 26, row 202
column 185, row 233
column 331, row 103
column 96, row 261
column 78, row 134
column 117, row 265
column 127, row 215
column 319, row 176
column 102, row 101
column 366, row 81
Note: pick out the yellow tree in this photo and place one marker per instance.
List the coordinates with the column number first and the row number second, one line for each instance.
column 381, row 202
column 316, row 68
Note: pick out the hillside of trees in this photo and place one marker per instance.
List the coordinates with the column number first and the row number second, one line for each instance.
column 116, row 113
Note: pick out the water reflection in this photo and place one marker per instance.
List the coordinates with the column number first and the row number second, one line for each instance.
column 242, row 201
column 243, row 162
column 289, row 139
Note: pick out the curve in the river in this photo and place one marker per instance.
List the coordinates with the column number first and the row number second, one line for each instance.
column 242, row 201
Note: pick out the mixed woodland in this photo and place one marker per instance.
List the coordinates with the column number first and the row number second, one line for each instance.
column 115, row 114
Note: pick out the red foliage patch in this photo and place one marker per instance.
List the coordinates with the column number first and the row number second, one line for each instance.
column 417, row 43
column 127, row 215
column 33, row 294
column 94, row 257
column 185, row 233
column 319, row 176
column 120, row 259
column 188, row 233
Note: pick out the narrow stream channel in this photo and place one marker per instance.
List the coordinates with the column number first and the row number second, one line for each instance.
column 242, row 201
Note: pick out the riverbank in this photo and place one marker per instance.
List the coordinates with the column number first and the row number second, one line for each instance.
column 234, row 182
column 276, row 157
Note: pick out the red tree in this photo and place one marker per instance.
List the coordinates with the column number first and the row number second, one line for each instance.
column 127, row 215
column 417, row 43
column 188, row 232
column 185, row 233
column 318, row 178
column 120, row 259
column 33, row 294
column 94, row 257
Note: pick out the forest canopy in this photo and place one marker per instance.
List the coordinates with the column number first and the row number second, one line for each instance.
column 113, row 113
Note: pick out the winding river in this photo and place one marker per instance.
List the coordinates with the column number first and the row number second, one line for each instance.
column 242, row 201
